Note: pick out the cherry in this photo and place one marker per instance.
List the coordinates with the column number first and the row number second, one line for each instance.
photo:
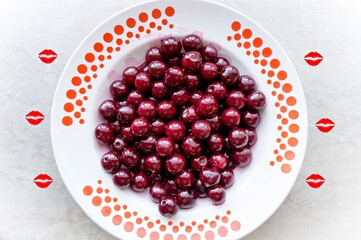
column 160, row 90
column 157, row 191
column 207, row 106
column 140, row 127
column 108, row 110
column 194, row 98
column 215, row 143
column 186, row 198
column 174, row 77
column 185, row 179
column 208, row 71
column 231, row 118
column 135, row 98
column 200, row 188
column 147, row 145
column 229, row 75
column 250, row 118
column 111, row 161
column 241, row 157
column 147, row 109
column 166, row 110
column 209, row 176
column 218, row 161
column 215, row 123
column 123, row 178
column 192, row 61
column 252, row 136
column 104, row 132
column 180, row 97
column 256, row 100
column 168, row 206
column 164, row 147
column 227, row 178
column 246, row 84
column 218, row 90
column 171, row 186
column 209, row 53
column 189, row 115
column 198, row 163
column 153, row 54
column 237, row 138
column 217, row 194
column 236, row 99
column 140, row 182
column 201, row 129
column 171, row 46
column 192, row 81
column 221, row 63
column 157, row 69
column 191, row 146
column 192, row 42
column 118, row 144
column 175, row 130
column 158, row 127
column 175, row 164
column 143, row 82
column 130, row 157
column 119, row 90
column 127, row 134
column 129, row 75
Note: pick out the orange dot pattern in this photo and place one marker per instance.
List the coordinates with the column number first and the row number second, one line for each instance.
column 148, row 228
column 285, row 102
column 111, row 42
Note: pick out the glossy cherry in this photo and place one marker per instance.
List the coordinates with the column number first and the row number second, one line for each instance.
column 198, row 163
column 227, row 178
column 167, row 206
column 237, row 138
column 201, row 129
column 135, row 98
column 191, row 146
column 209, row 53
column 140, row 127
column 175, row 164
column 241, row 157
column 153, row 54
column 147, row 109
column 229, row 75
column 192, row 61
column 129, row 75
column 157, row 69
column 143, row 82
column 215, row 143
column 119, row 90
column 192, row 81
column 189, row 115
column 180, row 97
column 186, row 198
column 140, row 182
column 218, row 161
column 164, row 147
column 175, row 130
column 123, row 178
column 256, row 100
column 174, row 77
column 250, row 118
column 130, row 157
column 104, row 132
column 157, row 191
column 192, row 42
column 108, row 110
column 236, row 99
column 208, row 71
column 209, row 176
column 185, row 179
column 231, row 117
column 246, row 84
column 160, row 90
column 207, row 106
column 158, row 127
column 217, row 194
column 118, row 144
column 218, row 90
column 111, row 161
column 171, row 46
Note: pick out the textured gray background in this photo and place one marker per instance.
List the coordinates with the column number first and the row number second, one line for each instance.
column 332, row 89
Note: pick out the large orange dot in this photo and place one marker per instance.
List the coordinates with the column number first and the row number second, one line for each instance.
column 131, row 22
column 76, row 81
column 152, row 24
column 222, row 231
column 292, row 142
column 195, row 236
column 143, row 17
column 266, row 52
column 82, row 68
column 257, row 42
column 68, row 107
column 71, row 94
column 209, row 235
column 200, row 227
column 291, row 101
column 117, row 220
column 282, row 75
column 141, row 232
column 129, row 34
column 236, row 26
column 119, row 29
column 98, row 47
column 263, row 62
column 150, row 224
column 289, row 155
column 235, row 225
column 188, row 229
column 225, row 219
column 108, row 37
column 156, row 13
column 87, row 190
column 154, row 236
column 97, row 201
column 169, row 11
column 175, row 229
column 287, row 87
column 294, row 128
column 128, row 226
column 247, row 33
column 286, row 168
column 106, row 211
column 127, row 214
column 293, row 114
column 89, row 57
column 275, row 63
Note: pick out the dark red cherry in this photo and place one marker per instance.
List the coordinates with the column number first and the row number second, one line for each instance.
column 208, row 71
column 229, row 75
column 218, row 90
column 147, row 109
column 143, row 82
column 221, row 63
column 186, row 198
column 231, row 118
column 140, row 182
column 246, row 84
column 158, row 127
column 175, row 164
column 201, row 129
column 191, row 146
column 191, row 61
column 104, row 132
column 252, row 136
column 241, row 157
column 218, row 160
column 123, row 178
column 153, row 54
column 227, row 178
column 168, row 206
column 175, row 130
column 157, row 69
column 217, row 194
column 153, row 163
column 164, row 147
column 250, row 118
column 160, row 90
column 237, row 138
column 256, row 100
column 209, row 53
column 118, row 144
column 189, row 115
column 236, row 99
column 200, row 188
column 119, row 90
column 192, row 42
column 180, row 97
column 174, row 77
column 215, row 123
column 194, row 98
column 215, row 143
column 157, row 191
column 192, row 81
column 111, row 161
column 140, row 127
column 207, row 106
column 166, row 110
column 171, row 186
column 185, row 179
column 171, row 46
column 129, row 75
column 209, row 176
column 147, row 145
column 135, row 98
column 198, row 163
column 130, row 157
column 108, row 110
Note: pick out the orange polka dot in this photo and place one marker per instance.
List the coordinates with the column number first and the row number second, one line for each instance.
column 263, row 62
column 195, row 236
column 171, row 26
column 263, row 71
column 293, row 114
column 127, row 214
column 200, row 227
column 188, row 229
column 279, row 116
column 276, row 84
column 125, row 207
column 128, row 226
column 150, row 224
column 85, row 98
column 68, row 107
column 157, row 221
column 79, row 102
column 127, row 42
column 131, row 22
column 205, row 221
column 159, row 28
column 289, row 155
column 256, row 61
column 248, row 52
column 283, row 109
column 162, row 228
column 148, row 31
column 119, row 41
column 101, row 57
column 137, row 35
column 141, row 232
column 247, row 45
column 152, row 24
column 109, row 57
column 257, row 42
column 209, row 235
column 175, row 229
column 170, row 223
column 225, row 219
column 237, row 36
column 279, row 158
column 146, row 218
column 135, row 213
column 217, row 217
column 287, row 87
column 278, row 140
column 282, row 75
column 229, row 38
column 247, row 33
column 222, row 231
column 117, row 220
column 236, row 26
column 89, row 86
column 164, row 21
column 267, row 52
column 256, row 53
column 271, row 73
column 294, row 128
column 93, row 68
column 239, row 44
column 273, row 93
column 81, row 121
column 169, row 11
column 106, row 211
column 235, row 225
column 108, row 37
column 89, row 57
column 213, row 224
column 87, row 190
column 109, row 49
column 117, row 207
column 119, row 29
column 279, row 128
column 71, row 94
column 82, row 68
column 143, row 17
column 154, row 236
column 228, row 212
column 99, row 190
column 284, row 134
column 286, row 168
column 291, row 101
column 156, row 13
column 284, row 121
column 182, row 237
column 100, row 181
column 272, row 163
column 282, row 146
column 98, row 47
column 116, row 49
column 292, row 142
column 97, row 201
column 107, row 199
column 275, row 63
column 280, row 97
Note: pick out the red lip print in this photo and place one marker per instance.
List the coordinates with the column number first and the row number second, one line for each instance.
column 47, row 56
column 34, row 117
column 43, row 180
column 313, row 58
column 315, row 180
column 325, row 125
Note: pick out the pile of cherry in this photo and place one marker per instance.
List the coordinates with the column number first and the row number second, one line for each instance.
column 179, row 124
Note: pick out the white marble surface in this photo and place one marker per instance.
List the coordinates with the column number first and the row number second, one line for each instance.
column 333, row 89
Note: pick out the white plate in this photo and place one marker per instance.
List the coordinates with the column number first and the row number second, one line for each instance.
column 259, row 189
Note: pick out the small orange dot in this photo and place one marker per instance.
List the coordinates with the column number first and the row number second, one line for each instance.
column 127, row 214
column 119, row 41
column 171, row 26
column 82, row 91
column 293, row 114
column 263, row 62
column 247, row 33
column 205, row 221
column 256, row 61
column 280, row 97
column 247, row 45
column 137, row 35
column 282, row 75
column 127, row 41
column 109, row 49
column 217, row 217
column 271, row 73
column 279, row 116
column 135, row 213
column 106, row 190
column 169, row 11
column 292, row 142
column 159, row 28
column 117, row 207
column 148, row 31
column 82, row 69
column 286, row 168
column 129, row 34
column 79, row 102
column 237, row 36
column 283, row 109
column 162, row 228
column 275, row 151
column 200, row 227
column 164, row 21
column 100, row 181
column 170, row 223
column 228, row 212
column 115, row 199
column 263, row 71
column 156, row 13
column 291, row 101
column 239, row 44
column 118, row 29
column 267, row 52
column 89, row 57
column 77, row 114
column 278, row 140
column 71, row 94
column 175, row 229
column 107, row 199
column 279, row 128
column 68, row 107
column 213, row 224
column 225, row 219
column 150, row 224
column 81, row 121
column 188, row 229
column 98, row 47
column 85, row 98
column 152, row 24
column 248, row 52
column 93, row 68
column 131, row 22
column 272, row 163
column 236, row 26
column 256, row 53
column 157, row 221
column 289, row 155
column 146, row 218
column 279, row 158
column 116, row 49
column 284, row 121
column 257, row 42
column 101, row 57
column 282, row 146
column 284, row 134
column 143, row 17
column 141, row 29
column 276, row 84
column 109, row 57
column 139, row 220
column 101, row 65
column 94, row 76
column 89, row 86
column 125, row 207
column 229, row 38
column 108, row 37
column 273, row 93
